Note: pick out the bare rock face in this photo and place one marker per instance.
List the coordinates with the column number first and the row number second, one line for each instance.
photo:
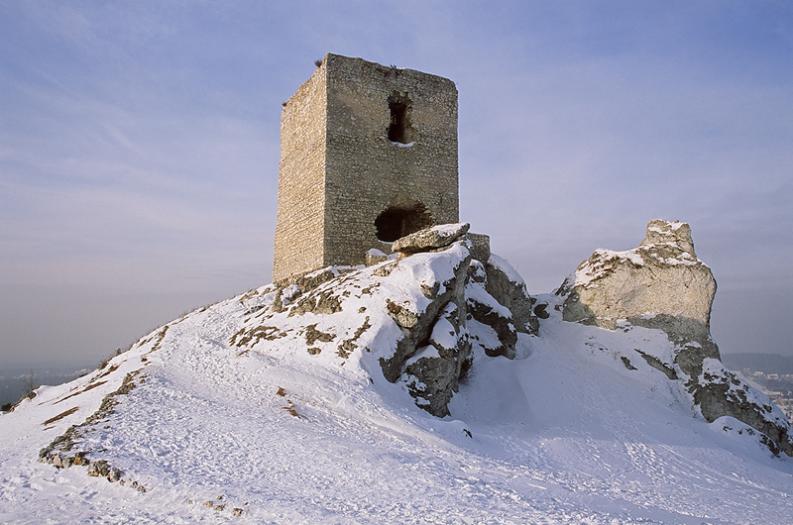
column 491, row 323
column 439, row 366
column 662, row 284
column 430, row 238
column 508, row 288
column 419, row 316
column 434, row 352
column 437, row 346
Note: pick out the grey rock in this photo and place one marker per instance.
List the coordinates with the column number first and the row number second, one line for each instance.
column 417, row 327
column 439, row 366
column 99, row 468
column 114, row 475
column 482, row 307
column 672, row 236
column 662, row 277
column 506, row 287
column 725, row 394
column 430, row 238
column 480, row 246
column 662, row 284
column 434, row 352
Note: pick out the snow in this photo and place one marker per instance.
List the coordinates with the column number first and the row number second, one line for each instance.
column 628, row 255
column 428, row 270
column 484, row 335
column 446, row 230
column 443, row 333
column 425, row 352
column 476, row 292
column 564, row 434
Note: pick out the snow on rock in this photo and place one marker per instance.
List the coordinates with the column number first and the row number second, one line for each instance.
column 662, row 284
column 662, row 277
column 485, row 310
column 719, row 392
column 316, row 400
column 430, row 238
column 507, row 287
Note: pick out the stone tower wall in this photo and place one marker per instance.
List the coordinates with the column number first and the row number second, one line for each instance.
column 339, row 170
column 300, row 226
column 366, row 172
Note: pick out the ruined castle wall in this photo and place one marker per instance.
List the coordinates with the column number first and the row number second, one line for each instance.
column 366, row 172
column 300, row 226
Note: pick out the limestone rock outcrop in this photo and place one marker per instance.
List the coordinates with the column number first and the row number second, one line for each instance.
column 509, row 289
column 430, row 238
column 662, row 284
column 491, row 323
column 418, row 317
column 434, row 352
column 462, row 317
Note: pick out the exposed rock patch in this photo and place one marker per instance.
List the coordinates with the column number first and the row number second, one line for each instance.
column 61, row 452
column 661, row 277
column 417, row 326
column 662, row 284
column 430, row 238
column 482, row 307
column 436, row 350
column 508, row 288
column 434, row 372
column 313, row 335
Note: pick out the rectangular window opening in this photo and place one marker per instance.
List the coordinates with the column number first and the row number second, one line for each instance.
column 397, row 131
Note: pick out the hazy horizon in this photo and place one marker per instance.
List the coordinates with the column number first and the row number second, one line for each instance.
column 139, row 148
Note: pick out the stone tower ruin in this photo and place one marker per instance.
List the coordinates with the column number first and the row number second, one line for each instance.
column 368, row 155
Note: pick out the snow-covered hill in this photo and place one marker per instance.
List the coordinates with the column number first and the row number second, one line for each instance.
column 313, row 402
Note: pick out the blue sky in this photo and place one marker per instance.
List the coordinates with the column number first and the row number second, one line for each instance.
column 139, row 147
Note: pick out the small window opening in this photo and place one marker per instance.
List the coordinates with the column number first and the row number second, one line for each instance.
column 399, row 129
column 396, row 222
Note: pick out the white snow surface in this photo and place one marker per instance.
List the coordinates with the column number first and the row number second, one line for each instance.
column 565, row 434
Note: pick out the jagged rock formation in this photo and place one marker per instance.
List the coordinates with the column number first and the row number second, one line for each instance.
column 430, row 238
column 509, row 289
column 661, row 281
column 464, row 306
column 255, row 405
column 662, row 284
column 484, row 307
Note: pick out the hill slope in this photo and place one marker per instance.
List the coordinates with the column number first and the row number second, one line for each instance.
column 275, row 407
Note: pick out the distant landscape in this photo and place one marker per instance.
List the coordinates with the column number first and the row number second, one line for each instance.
column 773, row 373
column 765, row 362
column 14, row 383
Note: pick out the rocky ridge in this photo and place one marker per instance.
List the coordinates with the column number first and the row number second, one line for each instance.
column 465, row 305
column 662, row 284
